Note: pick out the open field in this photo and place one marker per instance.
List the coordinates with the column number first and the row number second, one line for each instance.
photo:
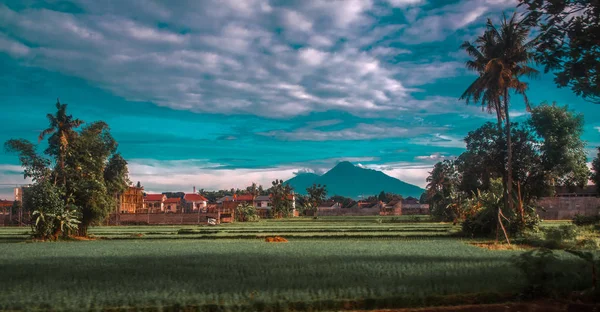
column 379, row 265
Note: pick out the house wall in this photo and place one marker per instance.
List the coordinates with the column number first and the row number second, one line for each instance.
column 167, row 218
column 415, row 209
column 561, row 208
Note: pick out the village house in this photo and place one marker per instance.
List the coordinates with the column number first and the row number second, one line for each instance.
column 172, row 205
column 195, row 202
column 131, row 201
column 263, row 203
column 154, row 203
column 392, row 208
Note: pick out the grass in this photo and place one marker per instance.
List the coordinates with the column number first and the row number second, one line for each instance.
column 343, row 264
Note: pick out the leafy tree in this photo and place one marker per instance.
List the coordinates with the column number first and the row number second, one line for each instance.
column 567, row 43
column 563, row 151
column 317, row 193
column 281, row 202
column 441, row 188
column 253, row 191
column 596, row 171
column 61, row 131
column 247, row 212
column 44, row 201
column 500, row 57
column 85, row 169
column 36, row 166
column 381, row 196
column 174, row 194
column 346, row 202
column 116, row 174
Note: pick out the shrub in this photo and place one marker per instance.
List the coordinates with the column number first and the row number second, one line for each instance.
column 247, row 213
column 581, row 220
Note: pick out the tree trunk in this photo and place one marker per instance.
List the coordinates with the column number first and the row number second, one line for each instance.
column 509, row 179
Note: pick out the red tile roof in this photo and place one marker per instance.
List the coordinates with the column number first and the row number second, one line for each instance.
column 153, row 197
column 243, row 197
column 194, row 198
column 173, row 200
column 6, row 203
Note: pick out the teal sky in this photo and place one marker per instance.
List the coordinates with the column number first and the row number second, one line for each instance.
column 217, row 94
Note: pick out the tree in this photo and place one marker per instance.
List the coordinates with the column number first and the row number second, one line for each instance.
column 563, row 151
column 382, row 197
column 441, row 188
column 281, row 202
column 62, row 133
column 500, row 57
column 253, row 191
column 567, row 42
column 139, row 185
column 44, row 201
column 95, row 173
column 317, row 193
column 84, row 166
column 35, row 166
column 596, row 171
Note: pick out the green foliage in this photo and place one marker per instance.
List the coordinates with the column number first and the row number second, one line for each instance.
column 247, row 213
column 567, row 42
column 317, row 193
column 484, row 220
column 562, row 152
column 582, row 220
column 441, row 189
column 36, row 166
column 281, row 202
column 116, row 174
column 595, row 177
column 88, row 173
column 48, row 210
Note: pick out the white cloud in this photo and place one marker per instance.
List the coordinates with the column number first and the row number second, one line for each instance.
column 297, row 21
column 312, row 56
column 441, row 140
column 360, row 132
column 12, row 47
column 162, row 176
column 437, row 24
column 404, row 3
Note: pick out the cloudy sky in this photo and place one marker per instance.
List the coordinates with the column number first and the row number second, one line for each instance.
column 218, row 94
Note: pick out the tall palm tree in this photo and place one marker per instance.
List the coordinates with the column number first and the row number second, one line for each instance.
column 62, row 131
column 253, row 190
column 501, row 57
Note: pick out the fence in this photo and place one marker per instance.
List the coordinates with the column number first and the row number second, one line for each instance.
column 561, row 208
column 166, row 218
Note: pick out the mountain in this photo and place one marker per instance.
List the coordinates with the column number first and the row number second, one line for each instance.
column 348, row 180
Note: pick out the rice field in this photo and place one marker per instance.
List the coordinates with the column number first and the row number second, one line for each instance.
column 375, row 265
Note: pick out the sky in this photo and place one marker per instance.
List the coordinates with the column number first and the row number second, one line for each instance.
column 220, row 94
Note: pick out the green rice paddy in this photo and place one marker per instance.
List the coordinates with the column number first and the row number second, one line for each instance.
column 342, row 263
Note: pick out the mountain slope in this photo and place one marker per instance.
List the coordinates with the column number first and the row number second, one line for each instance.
column 348, row 180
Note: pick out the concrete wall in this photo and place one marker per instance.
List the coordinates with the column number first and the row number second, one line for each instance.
column 561, row 208
column 348, row 211
column 415, row 209
column 162, row 218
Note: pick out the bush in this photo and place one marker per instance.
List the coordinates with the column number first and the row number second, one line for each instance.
column 581, row 220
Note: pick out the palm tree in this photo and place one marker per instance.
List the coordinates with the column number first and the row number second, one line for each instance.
column 501, row 57
column 254, row 191
column 61, row 128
